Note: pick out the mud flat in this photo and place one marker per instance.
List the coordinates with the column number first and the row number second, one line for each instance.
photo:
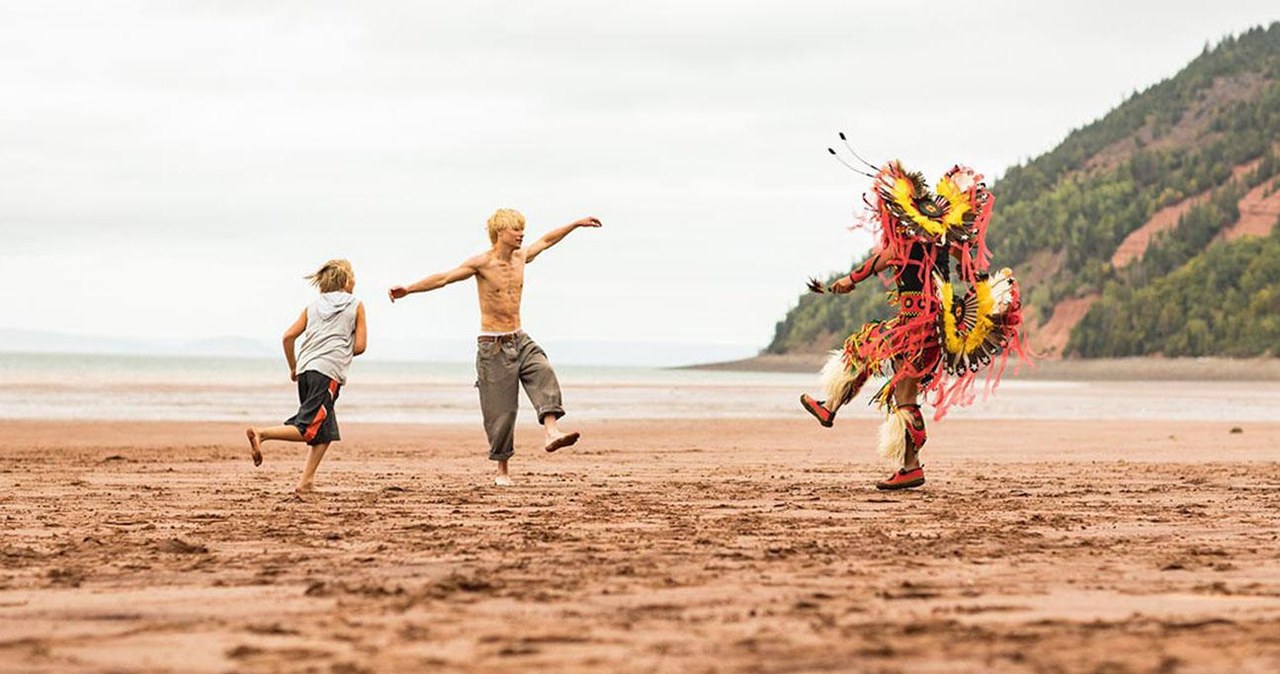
column 654, row 546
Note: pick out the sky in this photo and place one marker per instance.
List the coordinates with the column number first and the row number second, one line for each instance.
column 171, row 170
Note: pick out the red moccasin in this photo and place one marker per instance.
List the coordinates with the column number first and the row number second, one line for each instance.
column 902, row 479
column 822, row 414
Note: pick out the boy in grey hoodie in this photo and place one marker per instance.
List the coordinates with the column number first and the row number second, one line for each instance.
column 333, row 332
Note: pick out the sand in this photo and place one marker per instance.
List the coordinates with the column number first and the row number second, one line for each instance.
column 732, row 546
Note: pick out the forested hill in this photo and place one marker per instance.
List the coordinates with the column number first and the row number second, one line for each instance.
column 1150, row 231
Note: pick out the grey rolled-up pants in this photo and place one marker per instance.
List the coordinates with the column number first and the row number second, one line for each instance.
column 501, row 366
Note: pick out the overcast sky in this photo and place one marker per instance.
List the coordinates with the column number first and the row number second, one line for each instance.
column 172, row 169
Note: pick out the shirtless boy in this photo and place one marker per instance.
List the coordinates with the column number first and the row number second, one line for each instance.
column 505, row 354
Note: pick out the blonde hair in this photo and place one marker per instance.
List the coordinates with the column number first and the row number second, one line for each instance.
column 332, row 275
column 503, row 218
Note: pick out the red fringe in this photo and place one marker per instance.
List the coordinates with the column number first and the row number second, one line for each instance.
column 911, row 342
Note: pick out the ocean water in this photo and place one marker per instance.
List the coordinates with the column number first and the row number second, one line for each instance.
column 85, row 387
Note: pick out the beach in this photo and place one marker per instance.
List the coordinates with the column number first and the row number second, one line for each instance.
column 1045, row 236
column 656, row 545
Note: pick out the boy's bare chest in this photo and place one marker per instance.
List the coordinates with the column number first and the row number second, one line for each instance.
column 503, row 277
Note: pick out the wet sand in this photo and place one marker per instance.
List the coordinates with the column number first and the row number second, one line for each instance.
column 729, row 546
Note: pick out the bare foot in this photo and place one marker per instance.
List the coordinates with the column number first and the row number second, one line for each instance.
column 562, row 440
column 255, row 446
column 503, row 481
column 305, row 488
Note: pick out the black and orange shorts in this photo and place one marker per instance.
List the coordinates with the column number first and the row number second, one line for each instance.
column 315, row 418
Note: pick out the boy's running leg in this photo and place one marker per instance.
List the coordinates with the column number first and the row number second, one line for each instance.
column 557, row 438
column 255, row 445
column 543, row 388
column 258, row 435
column 496, row 379
column 314, row 456
column 502, row 479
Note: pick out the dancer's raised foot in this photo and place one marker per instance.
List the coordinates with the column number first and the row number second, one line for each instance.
column 255, row 445
column 558, row 440
column 818, row 409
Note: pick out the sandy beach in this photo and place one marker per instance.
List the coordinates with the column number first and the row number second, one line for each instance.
column 654, row 546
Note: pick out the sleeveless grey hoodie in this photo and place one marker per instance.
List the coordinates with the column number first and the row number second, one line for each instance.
column 329, row 340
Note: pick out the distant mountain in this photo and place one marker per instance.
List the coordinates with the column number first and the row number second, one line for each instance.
column 39, row 341
column 1150, row 231
column 568, row 352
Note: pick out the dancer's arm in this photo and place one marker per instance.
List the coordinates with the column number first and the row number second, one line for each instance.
column 873, row 265
column 460, row 273
column 554, row 236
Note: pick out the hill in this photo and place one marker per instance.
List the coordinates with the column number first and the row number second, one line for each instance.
column 1151, row 231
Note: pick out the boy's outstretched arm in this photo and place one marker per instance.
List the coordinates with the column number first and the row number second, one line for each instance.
column 554, row 236
column 460, row 273
column 362, row 332
column 291, row 336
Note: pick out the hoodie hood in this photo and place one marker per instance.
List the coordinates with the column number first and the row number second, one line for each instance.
column 331, row 304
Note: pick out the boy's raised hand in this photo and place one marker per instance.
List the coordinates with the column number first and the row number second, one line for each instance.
column 589, row 221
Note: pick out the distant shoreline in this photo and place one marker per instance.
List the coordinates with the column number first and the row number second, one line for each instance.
column 1109, row 369
column 1113, row 369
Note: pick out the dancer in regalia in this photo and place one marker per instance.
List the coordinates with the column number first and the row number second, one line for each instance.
column 937, row 345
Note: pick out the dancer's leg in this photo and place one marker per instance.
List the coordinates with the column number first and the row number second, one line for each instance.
column 902, row 436
column 842, row 381
column 906, row 395
column 847, row 392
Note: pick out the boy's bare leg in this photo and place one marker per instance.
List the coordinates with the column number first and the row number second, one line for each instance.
column 257, row 435
column 255, row 445
column 309, row 472
column 557, row 438
column 502, row 479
